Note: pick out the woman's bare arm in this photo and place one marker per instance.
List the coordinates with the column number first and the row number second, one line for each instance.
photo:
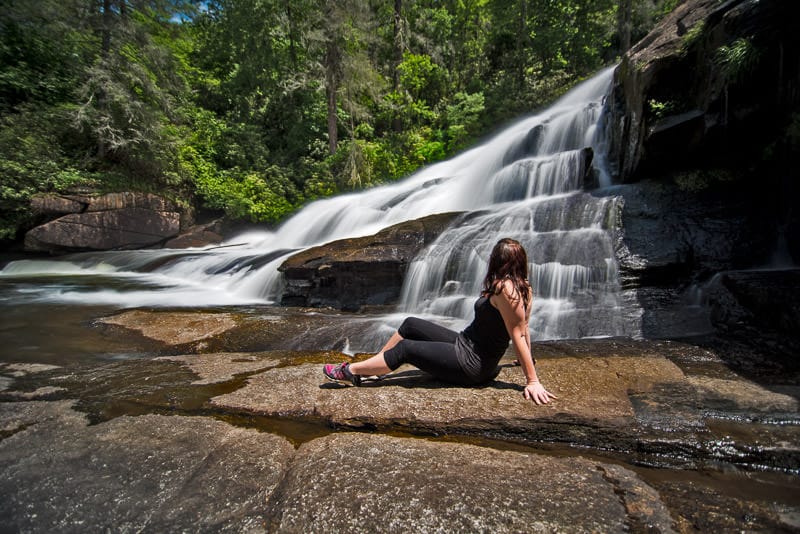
column 515, row 318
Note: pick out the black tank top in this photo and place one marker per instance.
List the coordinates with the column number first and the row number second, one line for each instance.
column 488, row 331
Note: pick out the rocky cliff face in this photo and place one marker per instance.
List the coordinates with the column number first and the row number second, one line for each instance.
column 699, row 121
column 703, row 86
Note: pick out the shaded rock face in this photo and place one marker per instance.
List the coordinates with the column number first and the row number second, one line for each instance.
column 112, row 221
column 349, row 273
column 677, row 100
column 672, row 243
column 768, row 299
column 688, row 129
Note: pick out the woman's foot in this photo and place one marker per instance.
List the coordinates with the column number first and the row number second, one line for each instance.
column 341, row 372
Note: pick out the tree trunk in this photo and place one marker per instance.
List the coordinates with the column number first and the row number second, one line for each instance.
column 398, row 42
column 624, row 25
column 397, row 124
column 332, row 60
column 292, row 39
column 105, row 49
column 522, row 43
column 105, row 30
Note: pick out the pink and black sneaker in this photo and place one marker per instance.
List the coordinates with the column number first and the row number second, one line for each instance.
column 341, row 372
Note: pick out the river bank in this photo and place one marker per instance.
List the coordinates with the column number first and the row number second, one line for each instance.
column 208, row 433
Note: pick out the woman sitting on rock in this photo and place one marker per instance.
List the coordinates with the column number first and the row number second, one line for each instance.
column 469, row 357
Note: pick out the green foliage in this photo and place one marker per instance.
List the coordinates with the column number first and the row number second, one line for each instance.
column 737, row 60
column 31, row 163
column 40, row 52
column 659, row 110
column 248, row 196
column 463, row 117
column 703, row 179
column 691, row 37
column 420, row 76
column 257, row 106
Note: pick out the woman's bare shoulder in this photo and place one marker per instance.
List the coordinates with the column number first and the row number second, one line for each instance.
column 508, row 291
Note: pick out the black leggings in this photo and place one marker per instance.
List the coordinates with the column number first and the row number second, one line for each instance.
column 429, row 347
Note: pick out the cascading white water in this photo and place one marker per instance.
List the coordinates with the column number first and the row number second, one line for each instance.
column 537, row 198
column 524, row 183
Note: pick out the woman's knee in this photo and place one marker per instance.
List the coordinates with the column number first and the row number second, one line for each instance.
column 409, row 328
column 405, row 327
column 395, row 356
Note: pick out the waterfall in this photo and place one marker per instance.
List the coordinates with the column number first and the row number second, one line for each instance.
column 525, row 183
column 536, row 196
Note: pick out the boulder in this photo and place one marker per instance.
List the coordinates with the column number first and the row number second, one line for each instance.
column 106, row 230
column 198, row 236
column 113, row 221
column 50, row 205
column 613, row 395
column 128, row 200
column 593, row 393
column 350, row 273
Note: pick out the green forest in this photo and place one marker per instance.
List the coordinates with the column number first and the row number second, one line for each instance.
column 253, row 108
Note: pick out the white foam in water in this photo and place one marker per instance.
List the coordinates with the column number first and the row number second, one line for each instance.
column 524, row 183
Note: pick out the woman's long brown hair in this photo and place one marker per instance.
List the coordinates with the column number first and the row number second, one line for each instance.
column 508, row 261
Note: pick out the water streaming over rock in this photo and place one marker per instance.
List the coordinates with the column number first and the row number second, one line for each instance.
column 527, row 182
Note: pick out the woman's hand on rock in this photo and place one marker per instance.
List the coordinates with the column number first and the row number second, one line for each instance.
column 536, row 393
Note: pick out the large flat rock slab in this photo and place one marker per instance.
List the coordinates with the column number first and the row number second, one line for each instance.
column 220, row 367
column 149, row 473
column 174, row 328
column 593, row 392
column 366, row 483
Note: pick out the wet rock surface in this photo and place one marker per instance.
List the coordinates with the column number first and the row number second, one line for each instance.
column 215, row 368
column 350, row 273
column 257, row 442
column 423, row 486
column 174, row 328
column 133, row 473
